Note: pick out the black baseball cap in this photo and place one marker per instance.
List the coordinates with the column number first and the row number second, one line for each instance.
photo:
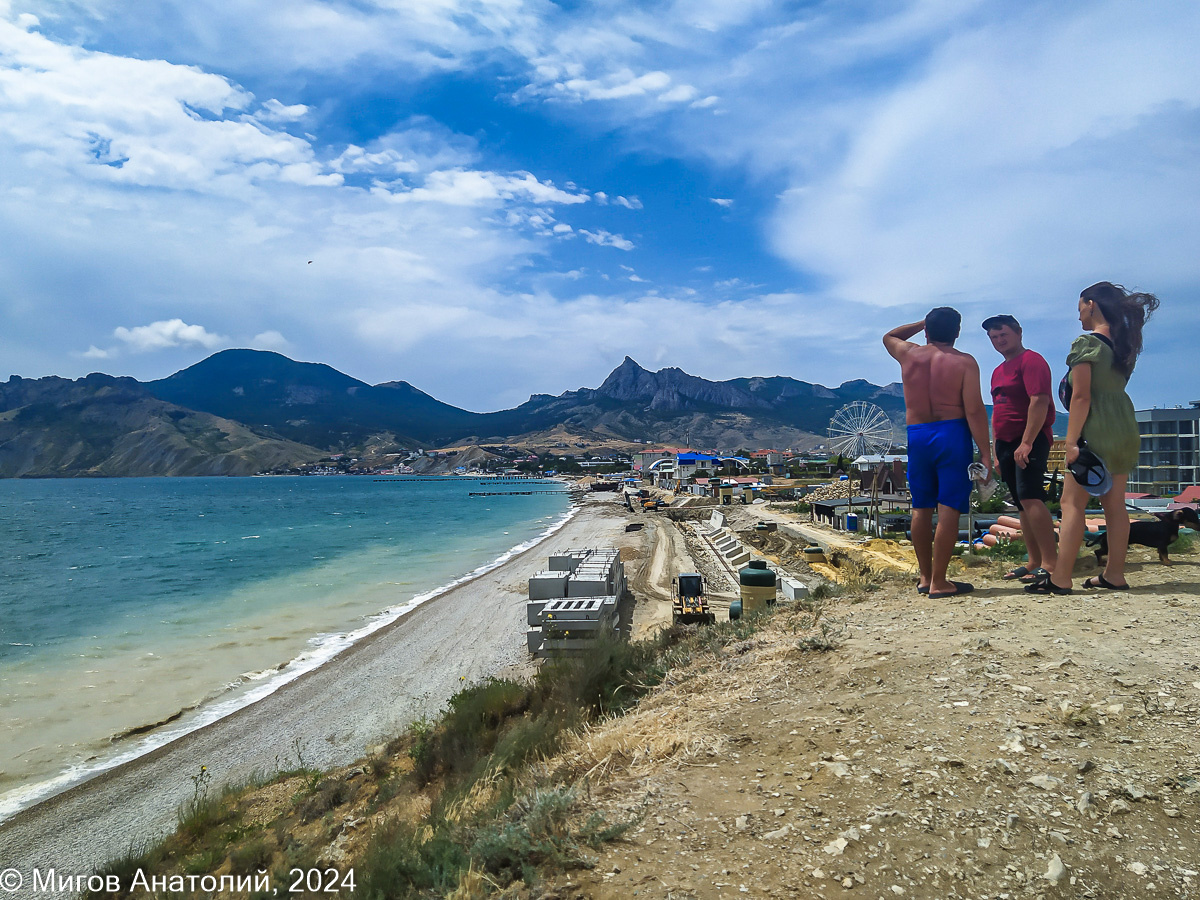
column 1000, row 321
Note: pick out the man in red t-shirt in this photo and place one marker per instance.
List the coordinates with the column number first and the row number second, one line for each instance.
column 1022, row 416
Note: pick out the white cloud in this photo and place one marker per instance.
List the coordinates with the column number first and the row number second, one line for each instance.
column 270, row 340
column 618, row 85
column 94, row 352
column 421, row 37
column 165, row 334
column 604, row 238
column 462, row 187
column 681, row 93
column 274, row 111
column 389, row 161
column 139, row 122
column 959, row 181
column 930, row 151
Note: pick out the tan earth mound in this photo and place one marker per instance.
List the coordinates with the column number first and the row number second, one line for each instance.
column 998, row 745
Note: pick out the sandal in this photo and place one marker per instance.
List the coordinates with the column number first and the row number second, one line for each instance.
column 1046, row 586
column 1035, row 575
column 960, row 587
column 1018, row 572
column 1099, row 581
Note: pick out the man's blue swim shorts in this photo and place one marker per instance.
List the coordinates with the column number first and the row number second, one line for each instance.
column 938, row 456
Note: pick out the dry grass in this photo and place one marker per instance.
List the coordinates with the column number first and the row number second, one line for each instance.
column 640, row 741
column 679, row 721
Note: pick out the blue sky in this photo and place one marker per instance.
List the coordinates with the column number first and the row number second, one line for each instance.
column 501, row 197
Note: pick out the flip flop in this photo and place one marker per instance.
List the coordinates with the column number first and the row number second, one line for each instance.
column 1018, row 572
column 923, row 590
column 1046, row 586
column 960, row 587
column 1099, row 581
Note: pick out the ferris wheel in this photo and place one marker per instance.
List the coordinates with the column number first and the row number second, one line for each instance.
column 860, row 429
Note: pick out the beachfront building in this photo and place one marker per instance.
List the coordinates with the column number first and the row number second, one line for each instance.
column 1169, row 460
column 870, row 462
column 646, row 458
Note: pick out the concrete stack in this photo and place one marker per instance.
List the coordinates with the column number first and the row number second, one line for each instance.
column 575, row 601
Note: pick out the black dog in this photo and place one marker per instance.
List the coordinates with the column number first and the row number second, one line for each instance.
column 1159, row 535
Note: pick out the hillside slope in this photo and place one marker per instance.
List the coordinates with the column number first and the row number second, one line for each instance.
column 311, row 403
column 105, row 426
column 242, row 411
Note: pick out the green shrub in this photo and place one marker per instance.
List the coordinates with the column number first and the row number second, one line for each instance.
column 603, row 681
column 410, row 860
column 329, row 795
column 539, row 834
column 1009, row 551
column 200, row 817
column 125, row 867
column 469, row 730
column 528, row 738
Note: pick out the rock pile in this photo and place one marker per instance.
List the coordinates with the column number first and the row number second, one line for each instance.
column 839, row 490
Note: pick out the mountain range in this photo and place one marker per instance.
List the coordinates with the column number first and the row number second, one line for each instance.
column 242, row 411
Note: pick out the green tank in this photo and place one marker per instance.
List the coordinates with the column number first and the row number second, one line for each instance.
column 757, row 587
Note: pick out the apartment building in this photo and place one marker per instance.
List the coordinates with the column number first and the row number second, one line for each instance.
column 1169, row 460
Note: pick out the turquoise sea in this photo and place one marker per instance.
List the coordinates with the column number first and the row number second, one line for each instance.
column 134, row 610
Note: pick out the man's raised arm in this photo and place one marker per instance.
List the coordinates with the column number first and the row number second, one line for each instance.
column 897, row 340
column 975, row 412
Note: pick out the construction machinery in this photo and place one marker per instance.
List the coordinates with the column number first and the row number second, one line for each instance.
column 689, row 605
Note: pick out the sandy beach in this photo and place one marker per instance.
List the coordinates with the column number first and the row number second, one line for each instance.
column 328, row 717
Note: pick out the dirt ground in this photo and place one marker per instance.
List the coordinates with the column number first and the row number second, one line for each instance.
column 882, row 745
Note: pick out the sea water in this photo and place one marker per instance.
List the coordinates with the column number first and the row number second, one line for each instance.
column 133, row 610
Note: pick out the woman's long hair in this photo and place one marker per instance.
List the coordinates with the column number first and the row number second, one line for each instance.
column 1125, row 312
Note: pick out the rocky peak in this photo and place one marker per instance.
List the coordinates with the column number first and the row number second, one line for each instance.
column 628, row 381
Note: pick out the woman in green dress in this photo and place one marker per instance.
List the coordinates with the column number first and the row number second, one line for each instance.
column 1101, row 414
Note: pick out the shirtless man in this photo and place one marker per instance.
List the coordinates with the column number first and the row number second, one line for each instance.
column 944, row 411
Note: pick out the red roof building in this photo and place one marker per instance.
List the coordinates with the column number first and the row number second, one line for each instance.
column 1191, row 494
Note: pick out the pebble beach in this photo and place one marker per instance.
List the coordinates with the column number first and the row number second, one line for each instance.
column 330, row 716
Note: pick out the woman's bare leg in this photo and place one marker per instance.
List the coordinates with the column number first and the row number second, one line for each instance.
column 1070, row 531
column 1116, row 523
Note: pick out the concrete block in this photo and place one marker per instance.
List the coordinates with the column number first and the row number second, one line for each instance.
column 579, row 629
column 740, row 560
column 578, row 610
column 794, row 590
column 566, row 562
column 588, row 587
column 548, row 585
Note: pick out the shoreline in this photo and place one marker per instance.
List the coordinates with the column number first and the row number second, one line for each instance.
column 322, row 649
column 329, row 715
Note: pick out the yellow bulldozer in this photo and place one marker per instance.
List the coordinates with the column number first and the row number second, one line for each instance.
column 689, row 605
